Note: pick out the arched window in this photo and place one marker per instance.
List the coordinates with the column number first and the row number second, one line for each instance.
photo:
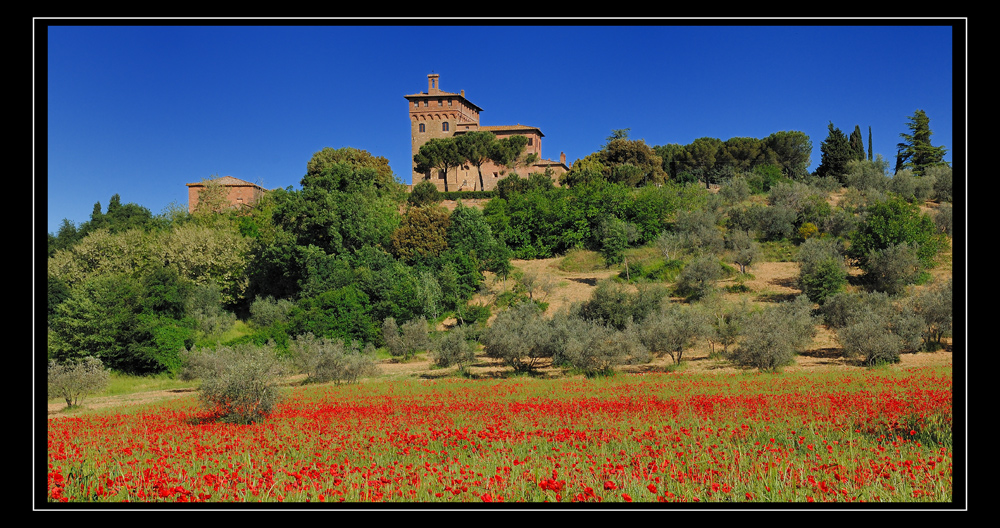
column 422, row 128
column 444, row 126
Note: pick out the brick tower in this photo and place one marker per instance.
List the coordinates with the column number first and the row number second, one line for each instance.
column 439, row 114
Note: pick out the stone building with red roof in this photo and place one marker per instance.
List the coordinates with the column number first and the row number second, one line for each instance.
column 239, row 193
column 439, row 114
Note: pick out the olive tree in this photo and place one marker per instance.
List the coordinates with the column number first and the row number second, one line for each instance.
column 773, row 336
column 72, row 380
column 239, row 384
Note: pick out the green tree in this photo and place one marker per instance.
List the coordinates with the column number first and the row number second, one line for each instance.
column 423, row 194
column 438, row 153
column 673, row 329
column 836, row 152
column 508, row 152
column 72, row 380
column 892, row 222
column 792, row 150
column 915, row 151
column 422, row 233
column 475, row 147
column 631, row 162
column 822, row 271
column 857, row 144
column 773, row 336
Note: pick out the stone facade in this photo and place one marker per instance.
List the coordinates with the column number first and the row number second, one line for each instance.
column 239, row 193
column 439, row 114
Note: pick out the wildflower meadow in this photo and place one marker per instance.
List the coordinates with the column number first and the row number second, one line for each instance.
column 859, row 436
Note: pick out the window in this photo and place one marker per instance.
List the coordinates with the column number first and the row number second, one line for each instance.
column 440, row 103
column 444, row 126
column 449, row 102
column 422, row 127
column 531, row 141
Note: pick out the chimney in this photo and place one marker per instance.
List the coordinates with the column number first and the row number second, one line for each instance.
column 432, row 83
column 463, row 93
column 562, row 158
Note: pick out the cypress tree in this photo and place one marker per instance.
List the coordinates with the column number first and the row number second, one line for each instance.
column 869, row 143
column 857, row 144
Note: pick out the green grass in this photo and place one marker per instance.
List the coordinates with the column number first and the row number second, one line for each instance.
column 779, row 251
column 581, row 260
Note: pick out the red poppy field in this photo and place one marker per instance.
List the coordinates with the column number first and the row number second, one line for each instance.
column 858, row 436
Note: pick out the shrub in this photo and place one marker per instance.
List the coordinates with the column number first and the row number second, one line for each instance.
column 943, row 182
column 868, row 335
column 672, row 329
column 773, row 336
column 266, row 311
column 238, row 384
column 323, row 360
column 698, row 277
column 599, row 348
column 454, row 348
column 745, row 250
column 424, row 193
column 519, row 337
column 891, row 269
column 943, row 219
column 615, row 304
column 72, row 380
column 405, row 341
column 822, row 271
column 934, row 307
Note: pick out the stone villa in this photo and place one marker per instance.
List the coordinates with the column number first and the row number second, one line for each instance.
column 433, row 114
column 439, row 114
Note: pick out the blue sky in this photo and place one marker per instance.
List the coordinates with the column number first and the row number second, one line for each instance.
column 140, row 111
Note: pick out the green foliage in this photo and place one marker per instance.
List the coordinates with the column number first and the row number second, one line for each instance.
column 822, row 270
column 267, row 311
column 468, row 195
column 238, row 384
column 698, row 277
column 836, row 153
column 868, row 175
column 672, row 329
column 114, row 318
column 934, row 307
column 422, row 233
column 375, row 169
column 455, row 348
column 763, row 177
column 323, row 360
column 405, row 341
column 596, row 349
column 476, row 148
column 423, row 194
column 72, row 380
column 772, row 337
column 915, row 151
column 893, row 268
column 745, row 250
column 344, row 313
column 518, row 337
column 893, row 222
column 616, row 304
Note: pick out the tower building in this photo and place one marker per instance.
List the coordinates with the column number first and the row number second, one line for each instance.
column 439, row 114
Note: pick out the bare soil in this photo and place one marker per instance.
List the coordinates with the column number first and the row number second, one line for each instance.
column 772, row 281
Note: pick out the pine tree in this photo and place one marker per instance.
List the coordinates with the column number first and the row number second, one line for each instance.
column 836, row 152
column 915, row 151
